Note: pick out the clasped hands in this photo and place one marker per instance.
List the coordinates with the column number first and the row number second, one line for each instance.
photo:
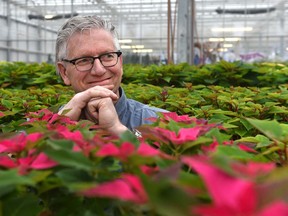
column 97, row 104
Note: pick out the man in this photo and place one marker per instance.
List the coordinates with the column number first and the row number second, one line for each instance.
column 88, row 58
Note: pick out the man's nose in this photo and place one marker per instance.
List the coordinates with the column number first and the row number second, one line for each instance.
column 98, row 68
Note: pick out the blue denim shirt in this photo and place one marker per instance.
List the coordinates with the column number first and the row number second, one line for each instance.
column 133, row 113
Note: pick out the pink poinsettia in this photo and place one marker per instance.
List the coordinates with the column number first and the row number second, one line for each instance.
column 230, row 195
column 253, row 169
column 147, row 170
column 178, row 118
column 122, row 152
column 210, row 148
column 65, row 133
column 48, row 116
column 127, row 149
column 24, row 164
column 184, row 134
column 213, row 146
column 167, row 116
column 279, row 208
column 126, row 188
column 246, row 148
column 19, row 142
column 38, row 162
column 7, row 162
column 75, row 136
column 80, row 143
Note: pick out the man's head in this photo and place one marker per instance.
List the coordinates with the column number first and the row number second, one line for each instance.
column 79, row 40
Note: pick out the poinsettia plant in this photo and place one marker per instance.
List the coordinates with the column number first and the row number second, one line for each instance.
column 180, row 166
column 222, row 150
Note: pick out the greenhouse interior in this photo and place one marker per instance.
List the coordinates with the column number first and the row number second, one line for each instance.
column 161, row 31
column 188, row 116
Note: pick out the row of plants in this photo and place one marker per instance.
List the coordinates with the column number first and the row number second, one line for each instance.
column 222, row 73
column 181, row 166
column 217, row 138
column 228, row 106
column 21, row 75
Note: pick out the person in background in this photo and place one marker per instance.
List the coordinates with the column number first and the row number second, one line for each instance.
column 88, row 58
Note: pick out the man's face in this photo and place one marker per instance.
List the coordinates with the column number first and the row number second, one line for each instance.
column 92, row 42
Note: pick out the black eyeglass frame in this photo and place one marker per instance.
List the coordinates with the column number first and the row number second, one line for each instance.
column 73, row 61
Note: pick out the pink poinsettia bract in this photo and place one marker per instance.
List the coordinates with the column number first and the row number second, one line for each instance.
column 126, row 188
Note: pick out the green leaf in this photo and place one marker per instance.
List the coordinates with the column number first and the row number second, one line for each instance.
column 174, row 126
column 214, row 132
column 73, row 175
column 271, row 150
column 233, row 152
column 246, row 124
column 61, row 144
column 129, row 137
column 167, row 199
column 11, row 177
column 262, row 141
column 199, row 141
column 70, row 159
column 25, row 204
column 4, row 191
column 271, row 129
column 7, row 103
column 39, row 175
column 167, row 79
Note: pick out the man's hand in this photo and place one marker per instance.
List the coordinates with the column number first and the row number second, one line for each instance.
column 80, row 100
column 102, row 112
column 97, row 104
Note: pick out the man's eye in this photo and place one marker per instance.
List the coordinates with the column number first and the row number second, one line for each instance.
column 107, row 56
column 83, row 61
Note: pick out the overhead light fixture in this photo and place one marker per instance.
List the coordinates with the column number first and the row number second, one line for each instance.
column 222, row 50
column 232, row 39
column 125, row 47
column 137, row 47
column 224, row 39
column 216, row 39
column 48, row 17
column 125, row 41
column 239, row 29
column 245, row 11
column 227, row 45
column 142, row 50
column 132, row 47
column 52, row 17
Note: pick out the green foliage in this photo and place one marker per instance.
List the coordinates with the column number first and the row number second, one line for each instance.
column 234, row 114
column 21, row 75
column 223, row 73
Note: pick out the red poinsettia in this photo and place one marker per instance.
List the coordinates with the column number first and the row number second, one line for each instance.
column 127, row 149
column 24, row 164
column 39, row 161
column 19, row 142
column 48, row 116
column 126, row 188
column 253, row 169
column 231, row 195
column 184, row 135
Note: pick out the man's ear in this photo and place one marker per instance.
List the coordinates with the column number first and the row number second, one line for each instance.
column 63, row 73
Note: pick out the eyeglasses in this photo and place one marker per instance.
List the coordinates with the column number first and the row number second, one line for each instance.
column 86, row 63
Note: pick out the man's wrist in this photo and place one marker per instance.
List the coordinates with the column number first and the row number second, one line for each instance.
column 118, row 129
